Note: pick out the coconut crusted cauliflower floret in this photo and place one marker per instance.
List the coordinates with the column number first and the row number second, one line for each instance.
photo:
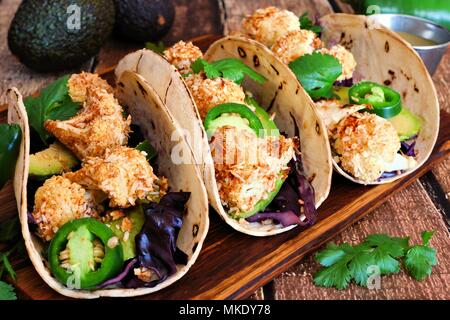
column 208, row 93
column 247, row 167
column 345, row 58
column 123, row 174
column 80, row 83
column 296, row 44
column 182, row 54
column 98, row 126
column 59, row 201
column 268, row 24
column 364, row 143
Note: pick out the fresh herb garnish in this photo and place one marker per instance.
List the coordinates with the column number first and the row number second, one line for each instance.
column 7, row 291
column 230, row 68
column 344, row 263
column 420, row 259
column 10, row 237
column 158, row 47
column 53, row 103
column 148, row 148
column 317, row 73
column 307, row 24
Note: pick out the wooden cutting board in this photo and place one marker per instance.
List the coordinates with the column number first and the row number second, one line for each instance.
column 232, row 265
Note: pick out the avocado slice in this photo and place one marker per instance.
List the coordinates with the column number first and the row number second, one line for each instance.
column 261, row 204
column 342, row 93
column 54, row 160
column 229, row 120
column 406, row 123
column 136, row 215
column 59, row 35
column 269, row 125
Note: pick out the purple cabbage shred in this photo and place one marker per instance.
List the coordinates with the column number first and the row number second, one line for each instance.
column 344, row 83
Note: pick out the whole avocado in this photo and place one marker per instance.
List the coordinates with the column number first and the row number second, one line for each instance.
column 53, row 35
column 144, row 20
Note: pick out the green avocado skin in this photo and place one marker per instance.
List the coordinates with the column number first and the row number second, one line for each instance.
column 40, row 37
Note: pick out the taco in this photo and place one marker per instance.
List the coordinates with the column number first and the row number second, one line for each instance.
column 265, row 157
column 105, row 211
column 370, row 87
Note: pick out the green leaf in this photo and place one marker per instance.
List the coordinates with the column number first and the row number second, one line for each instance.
column 426, row 236
column 10, row 230
column 53, row 103
column 419, row 261
column 158, row 47
column 7, row 291
column 8, row 267
column 229, row 68
column 307, row 24
column 331, row 254
column 148, row 148
column 336, row 275
column 317, row 73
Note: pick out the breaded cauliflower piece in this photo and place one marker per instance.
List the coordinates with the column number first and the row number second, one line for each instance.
column 208, row 93
column 365, row 144
column 182, row 54
column 295, row 44
column 80, row 83
column 59, row 201
column 247, row 167
column 123, row 174
column 268, row 24
column 345, row 58
column 98, row 126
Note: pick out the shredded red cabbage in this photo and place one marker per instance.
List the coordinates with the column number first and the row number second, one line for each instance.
column 156, row 243
column 286, row 208
column 408, row 147
column 344, row 83
column 118, row 279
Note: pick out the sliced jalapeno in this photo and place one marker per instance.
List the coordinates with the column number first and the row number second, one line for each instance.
column 384, row 101
column 240, row 109
column 84, row 253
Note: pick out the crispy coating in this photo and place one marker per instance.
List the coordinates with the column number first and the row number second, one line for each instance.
column 59, row 201
column 345, row 58
column 268, row 24
column 247, row 167
column 208, row 93
column 79, row 84
column 98, row 126
column 182, row 55
column 364, row 143
column 295, row 44
column 123, row 174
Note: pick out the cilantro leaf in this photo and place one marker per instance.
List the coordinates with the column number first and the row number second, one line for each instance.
column 158, row 47
column 420, row 259
column 7, row 291
column 8, row 267
column 230, row 68
column 317, row 73
column 307, row 24
column 53, row 103
column 148, row 148
column 384, row 251
column 330, row 255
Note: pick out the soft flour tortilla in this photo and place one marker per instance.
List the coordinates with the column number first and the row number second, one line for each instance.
column 281, row 94
column 384, row 57
column 158, row 126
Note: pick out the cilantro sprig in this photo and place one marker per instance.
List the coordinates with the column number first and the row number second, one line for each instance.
column 307, row 24
column 230, row 68
column 53, row 103
column 158, row 47
column 317, row 73
column 344, row 263
column 11, row 241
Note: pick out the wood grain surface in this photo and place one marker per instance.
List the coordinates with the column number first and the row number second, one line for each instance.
column 406, row 213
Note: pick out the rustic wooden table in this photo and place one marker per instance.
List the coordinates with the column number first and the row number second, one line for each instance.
column 421, row 206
